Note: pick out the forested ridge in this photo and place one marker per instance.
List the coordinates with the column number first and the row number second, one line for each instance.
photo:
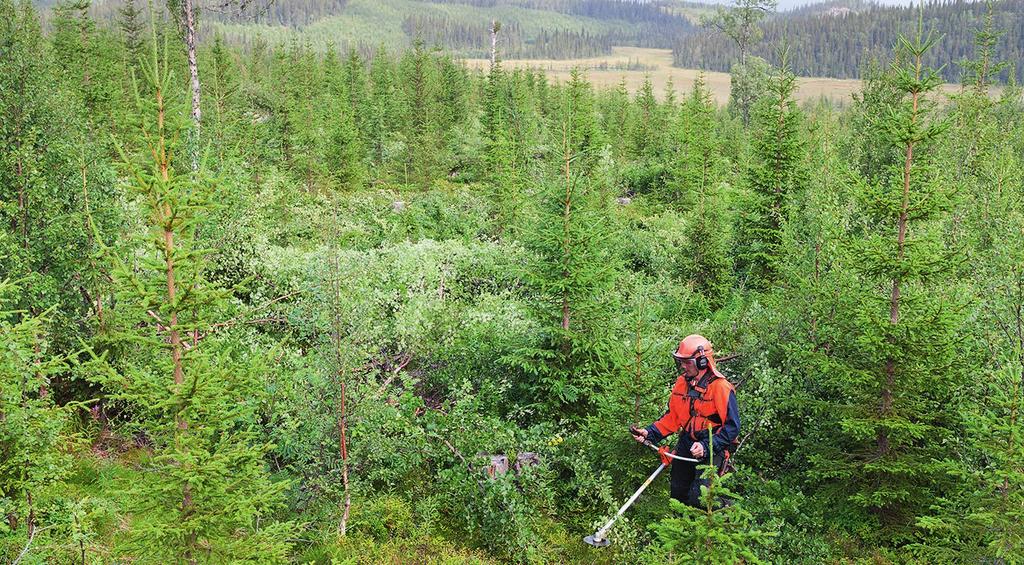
column 839, row 40
column 288, row 305
column 835, row 39
column 531, row 28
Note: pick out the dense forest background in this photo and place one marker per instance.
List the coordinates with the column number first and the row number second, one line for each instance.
column 832, row 39
column 838, row 39
column 291, row 305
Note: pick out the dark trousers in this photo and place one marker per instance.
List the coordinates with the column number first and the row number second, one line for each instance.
column 685, row 481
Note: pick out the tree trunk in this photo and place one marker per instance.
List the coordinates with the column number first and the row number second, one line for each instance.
column 343, row 446
column 894, row 297
column 495, row 26
column 189, row 21
column 566, row 215
column 22, row 204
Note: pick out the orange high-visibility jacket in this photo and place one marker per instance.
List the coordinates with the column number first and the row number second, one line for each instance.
column 690, row 409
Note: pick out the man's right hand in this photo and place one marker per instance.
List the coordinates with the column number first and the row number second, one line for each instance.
column 638, row 434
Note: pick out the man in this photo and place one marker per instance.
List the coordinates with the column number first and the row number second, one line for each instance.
column 701, row 395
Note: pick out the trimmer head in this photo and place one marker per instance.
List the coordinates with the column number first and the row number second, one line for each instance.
column 597, row 542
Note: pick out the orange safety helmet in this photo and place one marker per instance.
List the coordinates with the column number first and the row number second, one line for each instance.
column 696, row 347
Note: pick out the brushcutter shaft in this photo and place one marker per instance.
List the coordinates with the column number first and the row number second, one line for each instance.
column 600, row 535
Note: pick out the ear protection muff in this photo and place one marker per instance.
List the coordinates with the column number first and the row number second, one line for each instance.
column 701, row 359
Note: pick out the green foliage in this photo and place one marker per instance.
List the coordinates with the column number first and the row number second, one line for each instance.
column 697, row 187
column 49, row 178
column 774, row 178
column 837, row 40
column 449, row 254
column 982, row 517
column 891, row 348
column 205, row 493
column 33, row 437
column 721, row 531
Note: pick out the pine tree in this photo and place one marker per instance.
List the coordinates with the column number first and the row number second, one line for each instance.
column 205, row 494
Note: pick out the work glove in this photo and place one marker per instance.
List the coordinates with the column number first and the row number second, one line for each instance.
column 639, row 435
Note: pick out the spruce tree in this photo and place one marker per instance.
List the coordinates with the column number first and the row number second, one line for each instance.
column 505, row 164
column 386, row 110
column 616, row 113
column 223, row 92
column 648, row 127
column 982, row 518
column 420, row 83
column 129, row 21
column 345, row 152
column 697, row 189
column 774, row 176
column 717, row 532
column 205, row 494
column 573, row 268
column 699, row 164
column 33, row 431
column 889, row 371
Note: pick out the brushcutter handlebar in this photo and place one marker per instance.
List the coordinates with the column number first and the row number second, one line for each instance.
column 669, row 454
column 663, row 453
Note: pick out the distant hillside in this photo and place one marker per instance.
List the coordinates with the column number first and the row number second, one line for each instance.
column 548, row 29
column 836, row 39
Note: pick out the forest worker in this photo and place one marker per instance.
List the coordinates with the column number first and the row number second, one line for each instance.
column 700, row 395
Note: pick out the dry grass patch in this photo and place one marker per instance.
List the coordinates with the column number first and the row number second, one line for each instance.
column 657, row 64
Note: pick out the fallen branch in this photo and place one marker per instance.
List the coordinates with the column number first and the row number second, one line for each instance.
column 469, row 466
column 760, row 421
column 196, row 336
column 31, row 536
column 394, row 372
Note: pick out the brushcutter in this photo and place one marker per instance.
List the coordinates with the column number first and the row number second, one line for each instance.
column 599, row 538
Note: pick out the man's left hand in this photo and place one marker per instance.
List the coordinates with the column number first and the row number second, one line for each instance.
column 697, row 450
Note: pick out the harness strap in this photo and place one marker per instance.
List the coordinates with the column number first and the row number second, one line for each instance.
column 700, row 388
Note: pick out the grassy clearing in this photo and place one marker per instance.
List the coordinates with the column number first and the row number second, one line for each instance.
column 661, row 73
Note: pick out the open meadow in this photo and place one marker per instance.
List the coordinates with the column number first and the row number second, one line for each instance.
column 634, row 64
